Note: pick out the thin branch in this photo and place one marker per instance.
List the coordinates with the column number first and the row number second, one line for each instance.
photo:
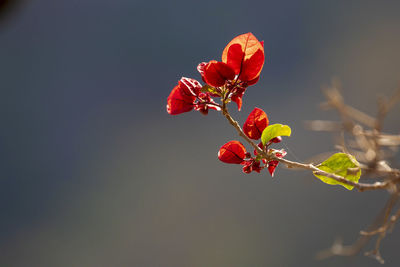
column 335, row 100
column 315, row 170
column 368, row 144
column 338, row 249
column 311, row 167
column 236, row 125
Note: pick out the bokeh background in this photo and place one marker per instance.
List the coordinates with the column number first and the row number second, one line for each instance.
column 94, row 172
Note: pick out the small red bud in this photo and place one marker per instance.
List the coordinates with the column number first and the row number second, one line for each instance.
column 256, row 166
column 277, row 139
column 202, row 108
column 247, row 169
column 204, row 111
column 272, row 166
column 281, row 154
column 248, row 162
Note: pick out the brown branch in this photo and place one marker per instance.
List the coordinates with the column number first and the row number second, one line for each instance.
column 368, row 144
column 335, row 100
column 236, row 125
column 338, row 249
column 388, row 222
column 368, row 147
column 315, row 170
column 298, row 165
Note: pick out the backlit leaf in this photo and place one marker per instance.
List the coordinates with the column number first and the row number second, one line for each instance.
column 275, row 130
column 341, row 164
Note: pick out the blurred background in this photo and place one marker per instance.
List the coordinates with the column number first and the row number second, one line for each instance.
column 94, row 172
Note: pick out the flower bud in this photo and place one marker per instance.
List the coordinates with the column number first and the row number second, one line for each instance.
column 247, row 169
column 277, row 139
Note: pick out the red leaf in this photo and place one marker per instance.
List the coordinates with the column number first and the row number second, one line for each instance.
column 182, row 97
column 255, row 124
column 217, row 73
column 245, row 55
column 232, row 152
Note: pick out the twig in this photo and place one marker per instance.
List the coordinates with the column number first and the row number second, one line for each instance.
column 369, row 143
column 236, row 125
column 311, row 167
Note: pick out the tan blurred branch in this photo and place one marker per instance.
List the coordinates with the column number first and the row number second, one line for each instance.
column 367, row 145
column 370, row 147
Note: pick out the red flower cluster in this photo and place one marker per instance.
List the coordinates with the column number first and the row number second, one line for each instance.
column 240, row 66
column 234, row 152
column 186, row 96
column 242, row 62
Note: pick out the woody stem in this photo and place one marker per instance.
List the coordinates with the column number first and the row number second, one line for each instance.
column 311, row 167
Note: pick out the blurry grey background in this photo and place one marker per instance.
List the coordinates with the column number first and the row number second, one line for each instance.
column 94, row 172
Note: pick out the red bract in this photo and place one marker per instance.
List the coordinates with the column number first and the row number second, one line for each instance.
column 242, row 62
column 232, row 152
column 204, row 103
column 217, row 73
column 201, row 68
column 275, row 140
column 245, row 55
column 247, row 168
column 237, row 97
column 274, row 163
column 272, row 166
column 183, row 96
column 255, row 124
column 252, row 165
column 187, row 95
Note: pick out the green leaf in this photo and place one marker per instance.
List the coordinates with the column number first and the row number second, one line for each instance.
column 341, row 164
column 275, row 130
